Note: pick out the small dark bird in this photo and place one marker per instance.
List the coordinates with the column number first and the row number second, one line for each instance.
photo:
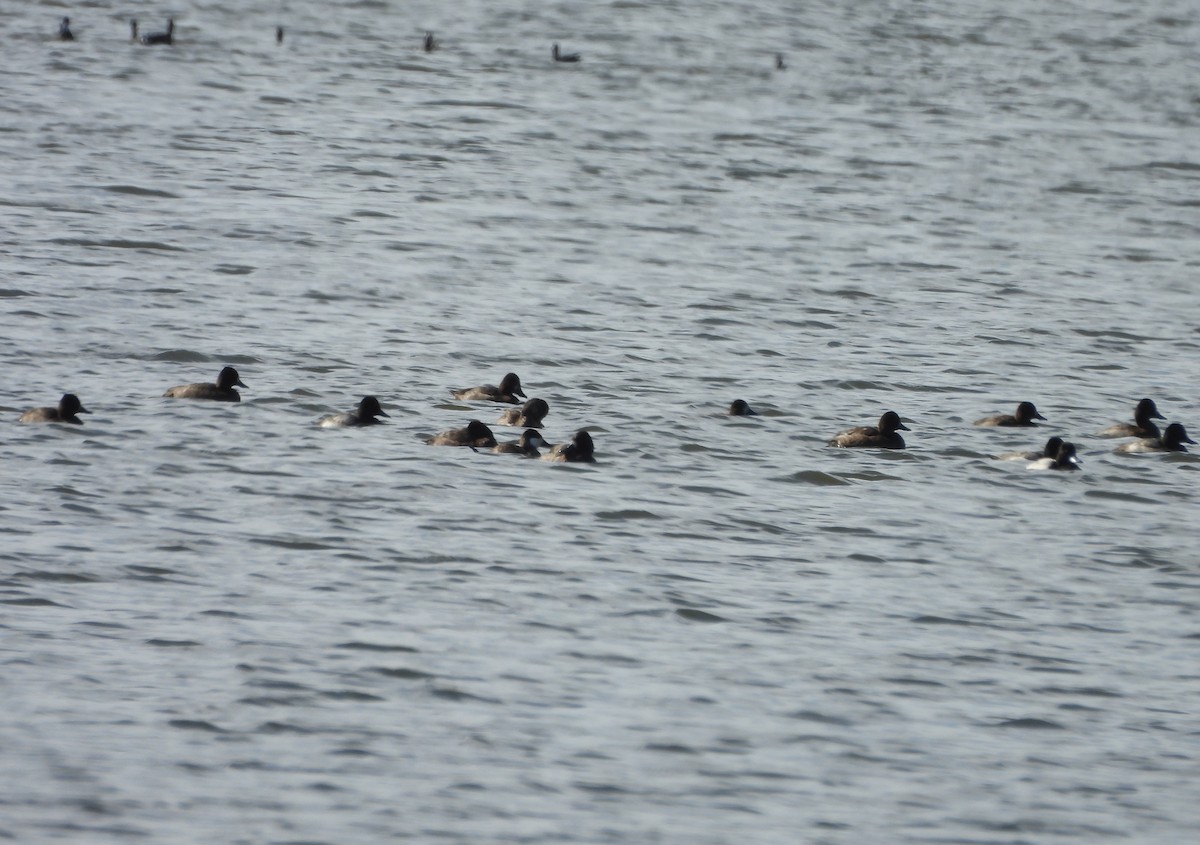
column 133, row 30
column 430, row 43
column 741, row 408
column 153, row 38
column 64, row 30
column 279, row 35
column 779, row 64
column 564, row 57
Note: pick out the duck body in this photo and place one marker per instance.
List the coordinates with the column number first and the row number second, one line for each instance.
column 366, row 413
column 508, row 391
column 221, row 391
column 1172, row 440
column 64, row 30
column 474, row 434
column 1064, row 460
column 154, row 38
column 1025, row 415
column 882, row 436
column 527, row 445
column 530, row 415
column 1049, row 451
column 581, row 450
column 563, row 57
column 66, row 412
column 741, row 408
column 430, row 43
column 1143, row 425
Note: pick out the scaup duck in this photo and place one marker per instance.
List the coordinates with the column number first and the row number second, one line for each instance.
column 508, row 391
column 430, row 43
column 1172, row 440
column 563, row 57
column 222, row 391
column 779, row 64
column 529, row 415
column 527, row 444
column 1064, row 459
column 1142, row 426
column 66, row 412
column 581, row 450
column 279, row 35
column 1049, row 451
column 883, row 436
column 366, row 413
column 475, row 434
column 1025, row 416
column 153, row 38
column 64, row 30
column 741, row 408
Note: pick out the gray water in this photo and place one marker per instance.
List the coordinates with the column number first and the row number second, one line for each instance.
column 222, row 624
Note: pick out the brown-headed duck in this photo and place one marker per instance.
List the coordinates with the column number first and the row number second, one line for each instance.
column 1172, row 440
column 1025, row 416
column 508, row 391
column 529, row 415
column 527, row 444
column 475, row 434
column 1142, row 426
column 741, row 408
column 222, row 391
column 581, row 450
column 66, row 412
column 883, row 436
column 366, row 413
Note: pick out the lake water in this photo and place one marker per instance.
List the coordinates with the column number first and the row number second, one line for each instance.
column 222, row 624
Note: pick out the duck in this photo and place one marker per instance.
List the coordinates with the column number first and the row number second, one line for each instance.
column 581, row 450
column 779, row 63
column 153, row 38
column 741, row 408
column 1049, row 451
column 1025, row 415
column 1172, row 440
column 366, row 413
column 563, row 57
column 221, row 391
column 529, row 415
column 68, row 407
column 1142, row 426
column 64, row 30
column 279, row 35
column 475, row 434
column 430, row 43
column 527, row 444
column 883, row 436
column 1064, row 459
column 508, row 391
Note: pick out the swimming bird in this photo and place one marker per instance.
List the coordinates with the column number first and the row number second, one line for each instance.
column 366, row 413
column 133, row 30
column 1064, row 459
column 883, row 436
column 564, row 57
column 1172, row 440
column 529, row 415
column 779, row 65
column 508, row 391
column 64, row 30
column 66, row 412
column 741, row 408
column 1025, row 416
column 475, row 434
column 1049, row 451
column 581, row 450
column 430, row 43
column 1142, row 426
column 153, row 38
column 279, row 35
column 527, row 444
column 222, row 391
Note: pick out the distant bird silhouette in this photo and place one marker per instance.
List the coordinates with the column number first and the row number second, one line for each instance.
column 153, row 38
column 279, row 35
column 133, row 30
column 564, row 57
column 430, row 43
column 779, row 64
column 64, row 30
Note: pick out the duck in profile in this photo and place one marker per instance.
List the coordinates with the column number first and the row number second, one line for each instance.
column 366, row 413
column 153, row 38
column 475, row 434
column 563, row 57
column 1063, row 459
column 222, row 391
column 882, row 436
column 1172, row 440
column 530, row 415
column 527, row 444
column 779, row 63
column 279, row 35
column 508, row 391
column 64, row 30
column 741, row 408
column 66, row 412
column 430, row 43
column 1025, row 416
column 581, row 450
column 1049, row 451
column 1143, row 425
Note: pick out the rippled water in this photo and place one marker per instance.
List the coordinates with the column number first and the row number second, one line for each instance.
column 223, row 624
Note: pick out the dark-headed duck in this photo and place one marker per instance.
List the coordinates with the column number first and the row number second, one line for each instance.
column 1064, row 459
column 1025, row 416
column 64, row 30
column 66, row 412
column 508, row 391
column 430, row 43
column 366, row 413
column 527, row 444
column 883, row 436
column 581, row 450
column 1142, row 426
column 563, row 57
column 222, row 391
column 1049, row 451
column 1172, row 440
column 475, row 434
column 153, row 38
column 741, row 408
column 529, row 415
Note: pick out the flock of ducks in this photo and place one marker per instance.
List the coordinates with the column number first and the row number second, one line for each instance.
column 1056, row 454
column 476, row 435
